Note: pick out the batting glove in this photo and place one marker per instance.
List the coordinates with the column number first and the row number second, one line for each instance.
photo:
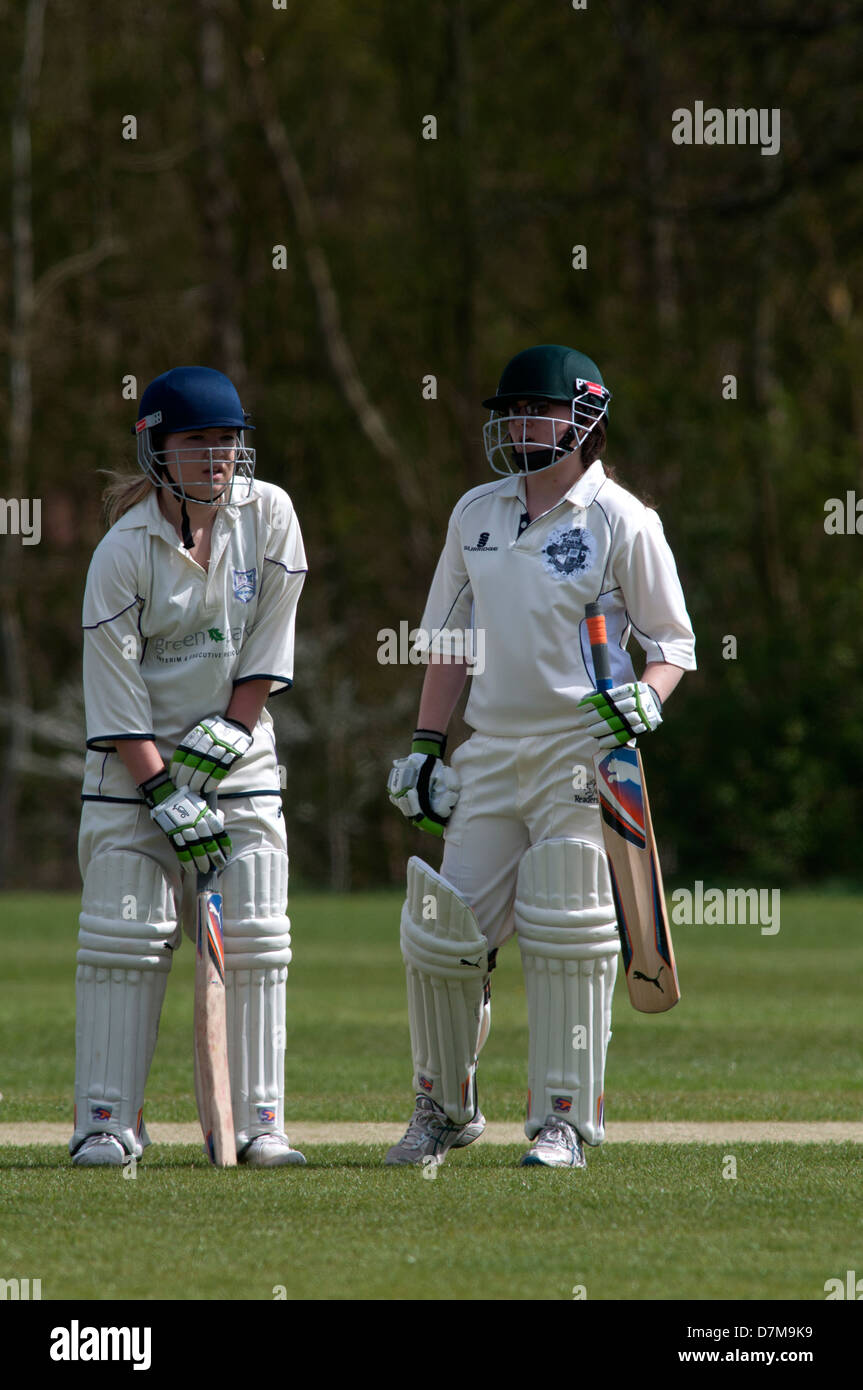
column 208, row 752
column 421, row 786
column 617, row 716
column 196, row 831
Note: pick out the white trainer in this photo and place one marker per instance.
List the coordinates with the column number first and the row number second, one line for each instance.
column 431, row 1134
column 557, row 1145
column 100, row 1151
column 272, row 1151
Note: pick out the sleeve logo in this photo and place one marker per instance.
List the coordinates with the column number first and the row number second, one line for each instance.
column 245, row 584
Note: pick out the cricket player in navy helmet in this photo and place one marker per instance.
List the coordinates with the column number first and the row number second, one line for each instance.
column 189, row 617
column 517, row 806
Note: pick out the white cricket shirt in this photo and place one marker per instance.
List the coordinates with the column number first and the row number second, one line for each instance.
column 166, row 641
column 524, row 589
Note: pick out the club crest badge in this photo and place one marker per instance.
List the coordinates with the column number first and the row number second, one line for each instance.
column 567, row 552
column 245, row 584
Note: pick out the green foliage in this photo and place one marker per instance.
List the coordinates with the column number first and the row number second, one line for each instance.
column 446, row 256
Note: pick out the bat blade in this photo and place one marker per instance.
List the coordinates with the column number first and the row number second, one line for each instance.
column 636, row 882
column 633, row 861
column 212, row 1082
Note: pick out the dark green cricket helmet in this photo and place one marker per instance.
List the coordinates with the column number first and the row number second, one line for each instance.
column 549, row 372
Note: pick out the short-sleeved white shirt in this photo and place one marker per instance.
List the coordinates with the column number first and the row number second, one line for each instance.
column 524, row 588
column 166, row 641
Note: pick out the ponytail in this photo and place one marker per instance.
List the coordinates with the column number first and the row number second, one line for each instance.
column 123, row 492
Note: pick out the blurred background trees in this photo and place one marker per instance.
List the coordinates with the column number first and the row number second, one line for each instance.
column 406, row 258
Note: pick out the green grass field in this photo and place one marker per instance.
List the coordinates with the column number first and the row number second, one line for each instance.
column 768, row 1028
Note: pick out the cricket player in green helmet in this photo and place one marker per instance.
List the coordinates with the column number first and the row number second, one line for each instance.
column 517, row 804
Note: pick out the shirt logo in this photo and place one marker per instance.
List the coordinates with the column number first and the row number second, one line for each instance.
column 482, row 542
column 245, row 584
column 567, row 552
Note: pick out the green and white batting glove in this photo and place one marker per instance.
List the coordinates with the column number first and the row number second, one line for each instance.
column 196, row 831
column 421, row 786
column 207, row 753
column 617, row 716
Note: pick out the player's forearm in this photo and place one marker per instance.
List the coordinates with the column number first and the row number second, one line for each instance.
column 141, row 758
column 442, row 686
column 663, row 677
column 247, row 702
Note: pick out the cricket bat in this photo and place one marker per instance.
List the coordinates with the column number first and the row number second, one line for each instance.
column 633, row 862
column 212, row 1084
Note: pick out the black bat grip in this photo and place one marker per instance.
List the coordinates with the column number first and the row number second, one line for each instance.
column 207, row 881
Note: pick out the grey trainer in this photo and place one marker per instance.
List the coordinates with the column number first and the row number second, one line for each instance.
column 431, row 1134
column 100, row 1151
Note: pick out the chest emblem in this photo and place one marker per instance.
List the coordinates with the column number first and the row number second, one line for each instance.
column 567, row 552
column 245, row 584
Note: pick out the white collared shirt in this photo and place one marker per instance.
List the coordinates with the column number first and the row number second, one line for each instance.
column 166, row 641
column 524, row 591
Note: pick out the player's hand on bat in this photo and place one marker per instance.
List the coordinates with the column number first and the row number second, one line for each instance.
column 421, row 786
column 196, row 830
column 616, row 716
column 207, row 753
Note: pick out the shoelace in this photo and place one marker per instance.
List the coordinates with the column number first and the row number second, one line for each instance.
column 424, row 1124
column 565, row 1133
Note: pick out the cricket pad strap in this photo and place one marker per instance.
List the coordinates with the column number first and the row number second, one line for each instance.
column 567, row 934
column 446, row 959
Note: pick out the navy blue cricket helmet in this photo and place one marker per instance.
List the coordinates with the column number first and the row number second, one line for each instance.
column 184, row 399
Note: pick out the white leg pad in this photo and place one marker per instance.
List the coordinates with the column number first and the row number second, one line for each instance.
column 567, row 933
column 257, row 935
column 257, row 929
column 128, row 932
column 446, row 959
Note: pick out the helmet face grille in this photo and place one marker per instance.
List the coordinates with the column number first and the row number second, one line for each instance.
column 172, row 469
column 521, row 442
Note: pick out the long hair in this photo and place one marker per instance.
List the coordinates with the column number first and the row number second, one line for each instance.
column 594, row 445
column 124, row 490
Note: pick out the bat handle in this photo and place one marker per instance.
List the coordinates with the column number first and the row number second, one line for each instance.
column 598, row 636
column 207, row 881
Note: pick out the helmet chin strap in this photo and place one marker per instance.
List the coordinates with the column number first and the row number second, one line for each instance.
column 188, row 539
column 177, row 491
